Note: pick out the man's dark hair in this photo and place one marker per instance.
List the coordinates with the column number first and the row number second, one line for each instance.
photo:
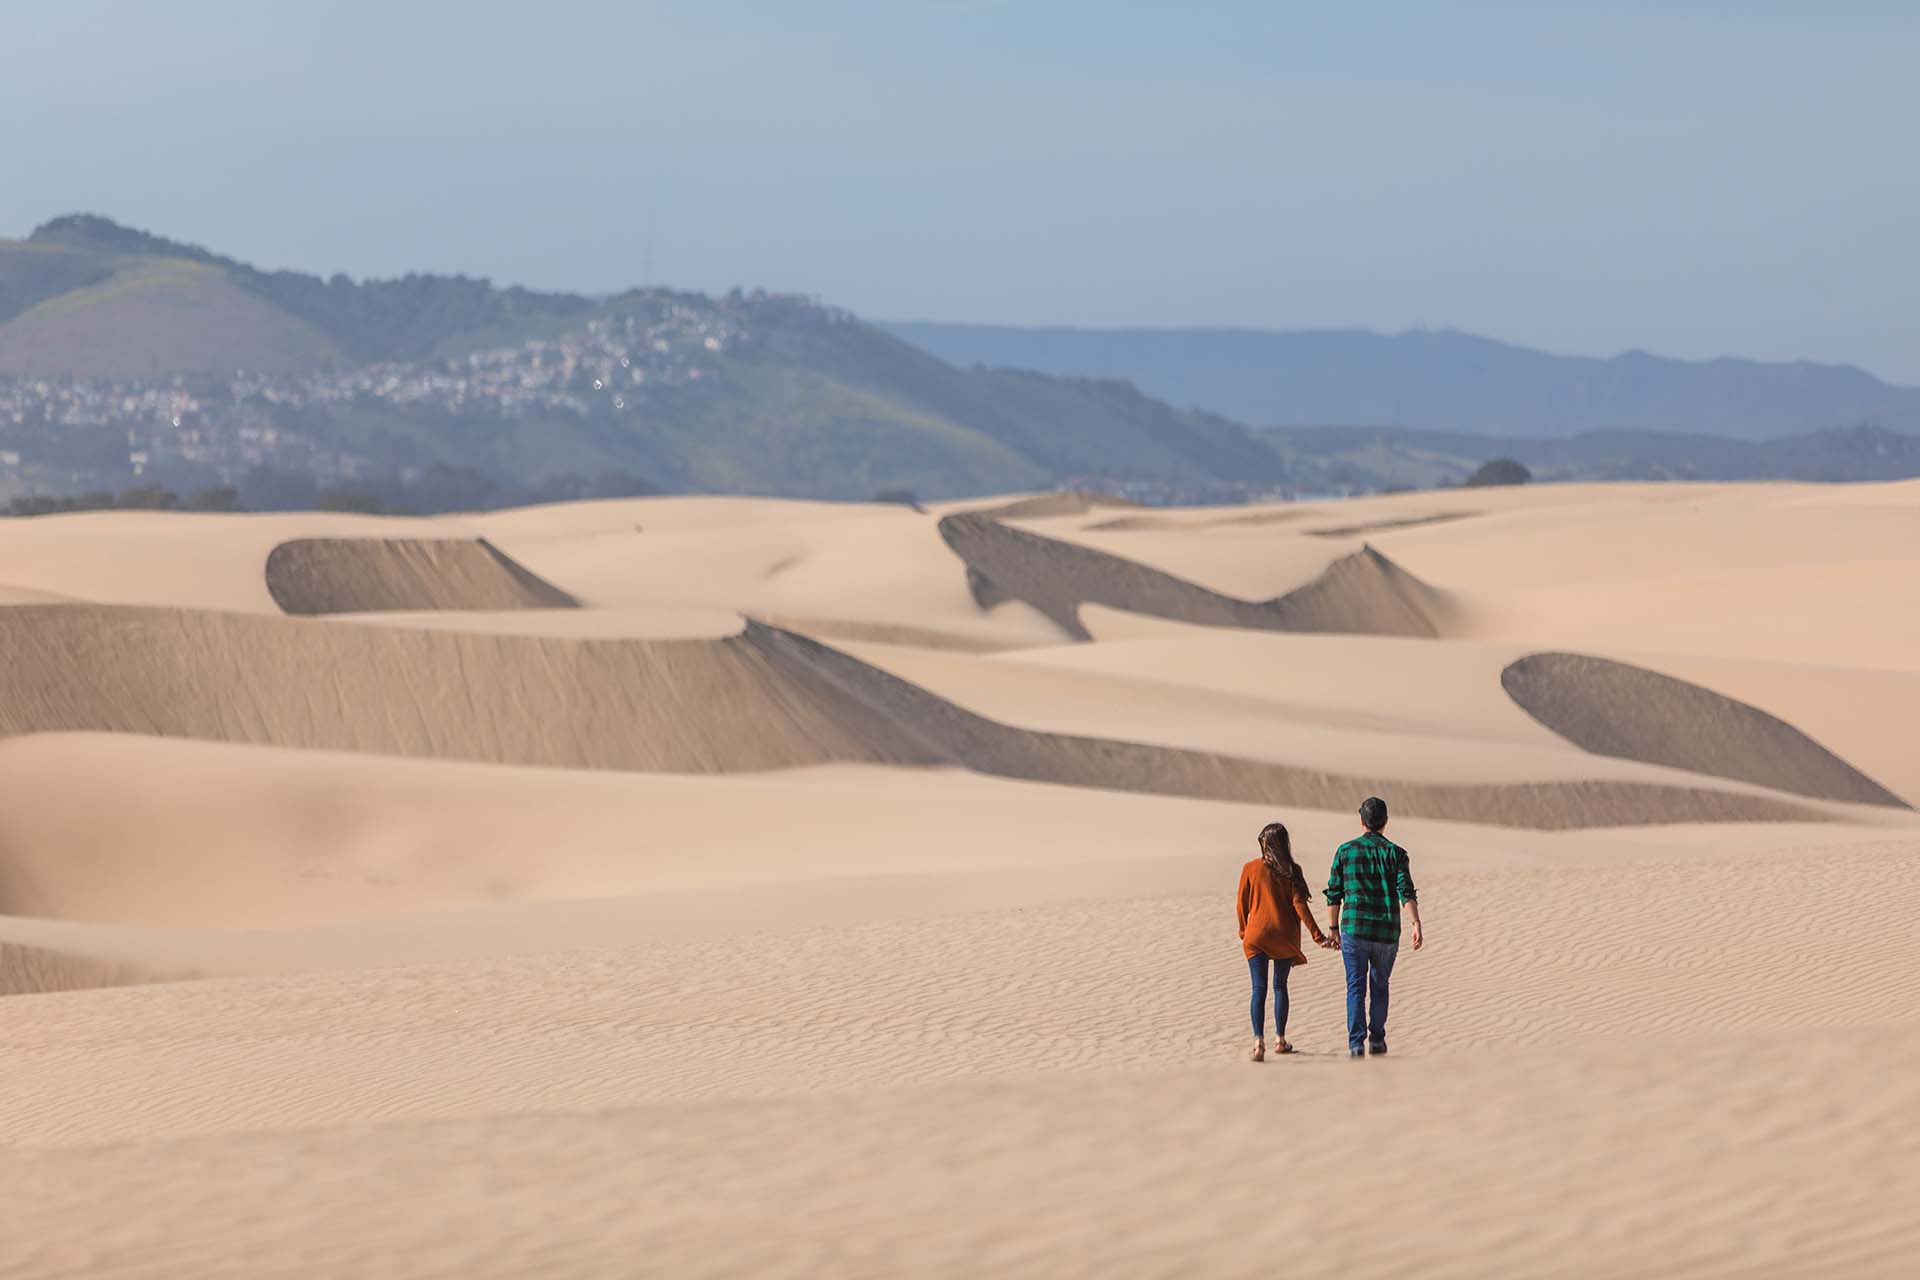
column 1373, row 813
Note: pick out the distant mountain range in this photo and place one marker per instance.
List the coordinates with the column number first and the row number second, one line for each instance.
column 1436, row 380
column 131, row 362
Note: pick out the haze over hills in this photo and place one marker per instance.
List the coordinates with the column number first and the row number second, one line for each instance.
column 133, row 362
column 1437, row 380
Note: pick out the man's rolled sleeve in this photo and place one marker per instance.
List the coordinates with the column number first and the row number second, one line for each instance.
column 1405, row 881
column 1337, row 882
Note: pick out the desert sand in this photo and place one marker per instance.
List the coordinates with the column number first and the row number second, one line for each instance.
column 694, row 886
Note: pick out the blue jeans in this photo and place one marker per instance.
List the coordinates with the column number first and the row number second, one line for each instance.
column 1369, row 965
column 1257, row 967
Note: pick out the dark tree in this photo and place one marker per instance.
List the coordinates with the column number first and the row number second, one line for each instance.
column 365, row 504
column 1500, row 471
column 218, row 498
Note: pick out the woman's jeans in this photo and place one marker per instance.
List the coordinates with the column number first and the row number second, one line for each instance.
column 1257, row 967
column 1369, row 965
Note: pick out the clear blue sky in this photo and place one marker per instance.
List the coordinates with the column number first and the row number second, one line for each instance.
column 1692, row 178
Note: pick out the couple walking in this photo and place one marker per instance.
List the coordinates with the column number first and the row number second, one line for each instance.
column 1369, row 883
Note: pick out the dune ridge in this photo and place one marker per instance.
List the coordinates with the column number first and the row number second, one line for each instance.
column 1256, row 518
column 1616, row 709
column 893, row 633
column 673, row 706
column 313, row 576
column 1389, row 525
column 987, row 746
column 1363, row 593
column 765, row 699
column 1066, row 502
column 26, row 970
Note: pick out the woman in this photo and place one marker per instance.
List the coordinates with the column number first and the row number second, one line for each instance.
column 1274, row 903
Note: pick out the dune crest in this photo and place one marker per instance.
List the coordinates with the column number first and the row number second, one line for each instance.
column 312, row 576
column 28, row 970
column 1066, row 502
column 765, row 699
column 1363, row 593
column 1391, row 524
column 671, row 706
column 1253, row 519
column 990, row 747
column 1617, row 709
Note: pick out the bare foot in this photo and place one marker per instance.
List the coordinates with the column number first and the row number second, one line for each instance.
column 1259, row 1053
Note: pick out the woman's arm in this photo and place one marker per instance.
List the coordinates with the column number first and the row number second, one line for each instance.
column 1304, row 910
column 1245, row 898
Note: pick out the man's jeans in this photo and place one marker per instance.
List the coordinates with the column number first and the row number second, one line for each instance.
column 1369, row 965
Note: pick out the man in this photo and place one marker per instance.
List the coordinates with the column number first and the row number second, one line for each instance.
column 1369, row 884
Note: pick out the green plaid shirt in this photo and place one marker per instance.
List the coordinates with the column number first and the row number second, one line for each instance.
column 1370, row 880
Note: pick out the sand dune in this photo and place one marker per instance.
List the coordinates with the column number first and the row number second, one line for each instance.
column 1615, row 709
column 1069, row 502
column 691, row 706
column 987, row 746
column 26, row 595
column 180, row 559
column 1801, row 574
column 1363, row 593
column 859, row 569
column 1384, row 526
column 567, row 1113
column 365, row 575
column 762, row 700
column 1862, row 714
column 1506, row 1165
column 891, row 633
column 1522, row 960
column 892, row 933
column 26, row 970
column 1241, row 519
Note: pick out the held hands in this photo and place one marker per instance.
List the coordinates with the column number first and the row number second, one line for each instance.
column 1326, row 944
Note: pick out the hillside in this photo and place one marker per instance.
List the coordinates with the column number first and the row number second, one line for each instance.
column 157, row 317
column 1436, row 380
column 410, row 318
column 156, row 361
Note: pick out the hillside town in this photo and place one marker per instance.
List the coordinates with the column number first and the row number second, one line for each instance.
column 610, row 366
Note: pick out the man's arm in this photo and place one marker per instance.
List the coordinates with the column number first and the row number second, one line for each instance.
column 1409, row 896
column 1336, row 894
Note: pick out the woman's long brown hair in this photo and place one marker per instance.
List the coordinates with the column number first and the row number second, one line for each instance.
column 1276, row 850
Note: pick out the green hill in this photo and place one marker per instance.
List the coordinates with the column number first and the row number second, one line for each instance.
column 33, row 272
column 159, row 316
column 410, row 318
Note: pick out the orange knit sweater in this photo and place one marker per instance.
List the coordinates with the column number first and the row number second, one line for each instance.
column 1271, row 923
